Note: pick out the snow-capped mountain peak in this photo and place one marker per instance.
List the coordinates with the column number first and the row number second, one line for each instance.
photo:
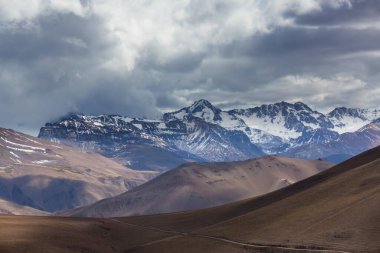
column 200, row 105
column 351, row 119
column 285, row 120
column 299, row 106
column 200, row 109
column 341, row 112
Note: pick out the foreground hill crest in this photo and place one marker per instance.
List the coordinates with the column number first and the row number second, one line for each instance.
column 195, row 186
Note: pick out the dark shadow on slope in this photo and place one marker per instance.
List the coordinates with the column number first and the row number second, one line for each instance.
column 45, row 193
column 337, row 158
column 144, row 157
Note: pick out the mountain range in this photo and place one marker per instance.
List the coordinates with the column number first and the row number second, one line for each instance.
column 205, row 133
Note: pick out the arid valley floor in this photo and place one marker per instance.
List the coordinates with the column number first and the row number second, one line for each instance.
column 334, row 211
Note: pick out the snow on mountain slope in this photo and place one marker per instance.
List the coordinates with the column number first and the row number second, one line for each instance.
column 351, row 119
column 214, row 143
column 283, row 120
column 126, row 140
column 206, row 111
column 350, row 144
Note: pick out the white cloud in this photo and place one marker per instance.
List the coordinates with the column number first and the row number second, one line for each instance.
column 322, row 92
column 136, row 57
column 21, row 11
column 173, row 27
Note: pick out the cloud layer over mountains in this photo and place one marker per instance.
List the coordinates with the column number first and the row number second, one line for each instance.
column 139, row 58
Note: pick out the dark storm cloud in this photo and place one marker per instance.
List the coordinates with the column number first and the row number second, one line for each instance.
column 298, row 50
column 113, row 57
column 50, row 57
column 49, row 72
column 363, row 11
column 182, row 63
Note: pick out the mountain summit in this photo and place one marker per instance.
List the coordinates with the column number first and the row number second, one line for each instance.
column 202, row 104
column 201, row 109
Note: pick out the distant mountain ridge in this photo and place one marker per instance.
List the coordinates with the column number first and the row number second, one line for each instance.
column 205, row 133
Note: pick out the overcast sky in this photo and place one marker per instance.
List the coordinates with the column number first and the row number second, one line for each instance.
column 142, row 57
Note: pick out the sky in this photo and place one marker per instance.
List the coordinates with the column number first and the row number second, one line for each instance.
column 143, row 57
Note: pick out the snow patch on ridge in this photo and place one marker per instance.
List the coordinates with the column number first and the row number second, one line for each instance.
column 22, row 145
column 43, row 162
column 274, row 127
column 22, row 150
